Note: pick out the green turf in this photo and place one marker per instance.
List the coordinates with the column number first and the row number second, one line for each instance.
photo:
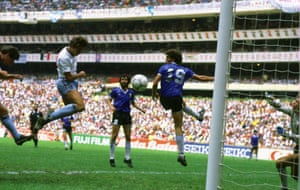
column 86, row 167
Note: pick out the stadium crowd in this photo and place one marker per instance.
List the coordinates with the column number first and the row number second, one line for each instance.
column 51, row 5
column 242, row 115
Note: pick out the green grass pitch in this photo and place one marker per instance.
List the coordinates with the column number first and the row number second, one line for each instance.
column 50, row 166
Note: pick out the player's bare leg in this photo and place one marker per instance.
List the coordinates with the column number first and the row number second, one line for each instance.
column 178, row 117
column 73, row 104
column 71, row 139
column 281, row 165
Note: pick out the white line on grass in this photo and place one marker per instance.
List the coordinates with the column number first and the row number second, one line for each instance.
column 99, row 172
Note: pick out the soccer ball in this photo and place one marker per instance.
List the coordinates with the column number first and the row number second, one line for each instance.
column 139, row 82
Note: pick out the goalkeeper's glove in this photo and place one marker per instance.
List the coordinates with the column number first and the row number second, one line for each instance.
column 269, row 97
column 271, row 100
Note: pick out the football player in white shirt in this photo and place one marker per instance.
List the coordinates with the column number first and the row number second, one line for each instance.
column 67, row 83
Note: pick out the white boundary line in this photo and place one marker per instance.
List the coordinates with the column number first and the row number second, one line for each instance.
column 76, row 172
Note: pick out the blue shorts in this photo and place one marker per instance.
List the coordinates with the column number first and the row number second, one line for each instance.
column 65, row 86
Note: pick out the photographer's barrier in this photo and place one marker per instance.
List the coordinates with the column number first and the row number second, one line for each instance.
column 189, row 147
column 139, row 143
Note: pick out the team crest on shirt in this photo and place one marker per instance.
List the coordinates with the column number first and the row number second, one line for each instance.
column 130, row 95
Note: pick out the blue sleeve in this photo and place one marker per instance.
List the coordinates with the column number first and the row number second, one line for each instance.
column 189, row 74
column 112, row 94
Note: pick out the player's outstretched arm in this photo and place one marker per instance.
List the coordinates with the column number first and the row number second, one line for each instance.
column 5, row 75
column 203, row 77
column 272, row 101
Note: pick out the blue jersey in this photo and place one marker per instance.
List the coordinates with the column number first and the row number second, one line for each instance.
column 122, row 99
column 255, row 140
column 67, row 122
column 173, row 77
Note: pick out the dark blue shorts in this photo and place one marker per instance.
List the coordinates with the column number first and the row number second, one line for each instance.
column 172, row 103
column 121, row 118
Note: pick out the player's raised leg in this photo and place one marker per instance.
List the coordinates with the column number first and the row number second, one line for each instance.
column 9, row 125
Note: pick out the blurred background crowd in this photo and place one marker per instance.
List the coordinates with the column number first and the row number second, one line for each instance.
column 243, row 115
column 50, row 5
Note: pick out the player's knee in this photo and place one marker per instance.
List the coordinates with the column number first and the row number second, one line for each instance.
column 128, row 139
column 80, row 107
column 3, row 112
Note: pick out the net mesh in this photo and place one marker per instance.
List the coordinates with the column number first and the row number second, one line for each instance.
column 264, row 61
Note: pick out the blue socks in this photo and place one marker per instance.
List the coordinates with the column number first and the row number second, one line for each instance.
column 8, row 123
column 64, row 111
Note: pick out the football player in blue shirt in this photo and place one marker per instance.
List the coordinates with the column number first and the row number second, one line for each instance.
column 67, row 83
column 172, row 77
column 8, row 55
column 67, row 130
column 254, row 140
column 120, row 99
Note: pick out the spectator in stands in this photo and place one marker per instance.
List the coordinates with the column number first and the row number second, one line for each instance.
column 172, row 76
column 291, row 160
column 33, row 117
column 122, row 98
column 79, row 5
column 8, row 55
column 67, row 83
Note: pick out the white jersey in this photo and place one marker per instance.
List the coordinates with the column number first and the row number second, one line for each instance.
column 65, row 63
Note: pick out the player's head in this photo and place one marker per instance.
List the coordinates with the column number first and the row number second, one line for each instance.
column 77, row 44
column 35, row 107
column 124, row 80
column 9, row 54
column 254, row 131
column 173, row 55
column 295, row 104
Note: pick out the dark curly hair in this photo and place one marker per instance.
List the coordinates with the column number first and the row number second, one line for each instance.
column 12, row 51
column 78, row 42
column 125, row 76
column 175, row 55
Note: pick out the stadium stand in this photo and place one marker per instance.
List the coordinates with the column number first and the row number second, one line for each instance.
column 135, row 45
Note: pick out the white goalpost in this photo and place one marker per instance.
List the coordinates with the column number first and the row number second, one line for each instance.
column 218, row 104
column 257, row 53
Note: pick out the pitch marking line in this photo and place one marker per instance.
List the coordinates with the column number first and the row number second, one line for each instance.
column 99, row 172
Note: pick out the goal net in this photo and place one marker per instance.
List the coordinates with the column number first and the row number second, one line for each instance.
column 264, row 63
